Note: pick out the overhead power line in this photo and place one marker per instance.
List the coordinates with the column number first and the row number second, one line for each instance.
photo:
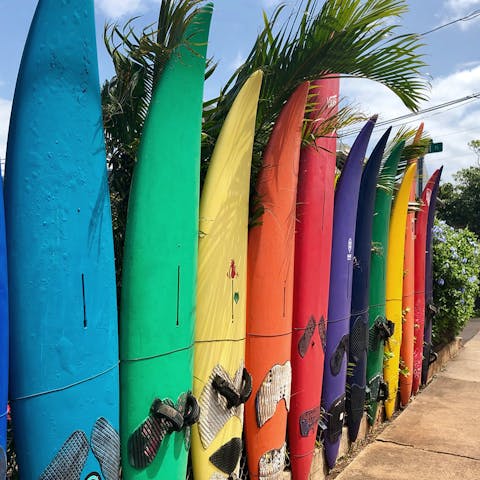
column 452, row 103
column 466, row 18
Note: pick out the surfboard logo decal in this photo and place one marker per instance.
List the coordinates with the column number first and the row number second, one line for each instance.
column 232, row 271
column 275, row 387
column 349, row 249
column 232, row 274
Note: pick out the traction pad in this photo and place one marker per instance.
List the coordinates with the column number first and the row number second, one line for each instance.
column 322, row 330
column 337, row 358
column 304, row 342
column 309, row 421
column 275, row 387
column 380, row 331
column 70, row 460
column 226, row 458
column 335, row 418
column 3, row 464
column 377, row 389
column 357, row 400
column 105, row 443
column 359, row 337
column 272, row 464
column 164, row 418
column 214, row 411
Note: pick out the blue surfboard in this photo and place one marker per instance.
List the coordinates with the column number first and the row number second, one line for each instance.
column 358, row 344
column 3, row 336
column 63, row 316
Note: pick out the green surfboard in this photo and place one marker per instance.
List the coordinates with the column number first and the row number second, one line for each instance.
column 378, row 324
column 160, row 269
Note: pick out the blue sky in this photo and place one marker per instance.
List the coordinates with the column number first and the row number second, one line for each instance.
column 452, row 54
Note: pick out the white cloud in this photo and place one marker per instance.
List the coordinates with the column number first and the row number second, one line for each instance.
column 116, row 9
column 5, row 108
column 454, row 126
column 270, row 3
column 454, row 9
column 238, row 61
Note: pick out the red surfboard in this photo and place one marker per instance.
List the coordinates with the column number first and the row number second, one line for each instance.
column 271, row 248
column 311, row 285
column 406, row 349
column 420, row 256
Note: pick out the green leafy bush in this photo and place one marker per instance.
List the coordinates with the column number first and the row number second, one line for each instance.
column 456, row 267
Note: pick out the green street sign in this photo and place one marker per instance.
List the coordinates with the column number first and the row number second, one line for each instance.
column 435, row 147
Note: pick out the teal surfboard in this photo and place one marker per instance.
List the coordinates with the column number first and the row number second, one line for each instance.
column 63, row 316
column 160, row 270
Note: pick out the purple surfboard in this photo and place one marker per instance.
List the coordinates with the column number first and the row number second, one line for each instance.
column 344, row 221
column 428, row 355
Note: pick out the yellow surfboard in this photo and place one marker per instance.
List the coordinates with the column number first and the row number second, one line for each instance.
column 221, row 384
column 394, row 286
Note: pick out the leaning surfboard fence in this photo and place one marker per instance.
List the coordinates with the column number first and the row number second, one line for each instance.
column 57, row 210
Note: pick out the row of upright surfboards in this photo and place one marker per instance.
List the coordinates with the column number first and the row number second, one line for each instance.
column 221, row 329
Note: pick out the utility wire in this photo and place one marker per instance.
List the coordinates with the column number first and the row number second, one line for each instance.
column 466, row 18
column 456, row 103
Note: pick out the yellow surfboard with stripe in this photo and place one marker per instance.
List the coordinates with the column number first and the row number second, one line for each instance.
column 394, row 286
column 220, row 382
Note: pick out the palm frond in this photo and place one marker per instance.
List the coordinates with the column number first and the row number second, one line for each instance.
column 416, row 146
column 139, row 58
column 342, row 38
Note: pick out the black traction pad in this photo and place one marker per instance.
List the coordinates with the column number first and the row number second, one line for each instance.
column 372, row 389
column 227, row 456
column 335, row 417
column 359, row 337
column 304, row 342
column 163, row 419
column 322, row 330
column 3, row 464
column 105, row 443
column 70, row 460
column 337, row 357
column 309, row 421
column 357, row 402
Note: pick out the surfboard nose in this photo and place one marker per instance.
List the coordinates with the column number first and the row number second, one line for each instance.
column 226, row 458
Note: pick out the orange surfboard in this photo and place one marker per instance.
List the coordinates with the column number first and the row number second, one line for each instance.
column 407, row 347
column 269, row 294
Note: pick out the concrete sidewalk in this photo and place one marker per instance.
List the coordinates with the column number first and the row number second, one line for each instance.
column 437, row 437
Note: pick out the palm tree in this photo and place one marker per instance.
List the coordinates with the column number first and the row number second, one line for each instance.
column 355, row 38
column 139, row 60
